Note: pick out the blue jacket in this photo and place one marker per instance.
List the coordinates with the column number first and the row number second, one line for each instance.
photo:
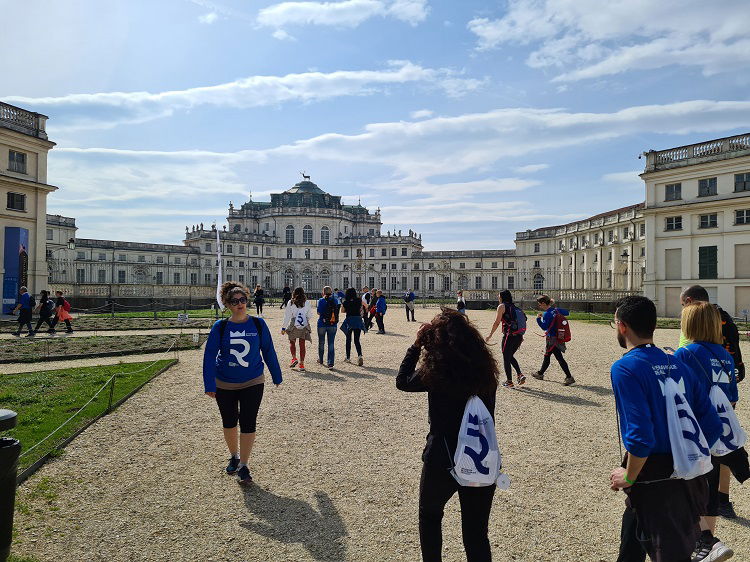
column 243, row 361
column 25, row 301
column 409, row 297
column 637, row 380
column 546, row 320
column 381, row 306
column 711, row 360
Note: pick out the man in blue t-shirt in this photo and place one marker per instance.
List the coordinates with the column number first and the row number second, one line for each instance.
column 24, row 307
column 661, row 518
column 328, row 318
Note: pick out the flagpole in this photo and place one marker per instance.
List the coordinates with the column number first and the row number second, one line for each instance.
column 219, row 279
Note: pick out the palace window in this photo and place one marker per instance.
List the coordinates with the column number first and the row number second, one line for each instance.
column 416, row 283
column 208, row 247
column 206, row 278
column 383, row 252
column 230, row 263
column 307, row 237
column 325, row 278
column 346, row 253
column 49, row 234
column 538, row 282
column 80, row 275
column 307, row 253
column 610, row 235
column 462, row 265
column 536, row 247
column 446, row 283
column 394, row 252
column 494, row 265
column 325, row 236
column 159, row 277
column 430, row 266
column 511, row 282
column 742, row 216
column 706, row 187
column 193, row 278
column 478, row 265
column 431, row 283
column 241, row 278
column 178, row 261
column 371, row 232
column 325, row 254
column 159, row 259
column 708, row 262
column 176, row 279
column 415, row 267
column 383, row 266
column 394, row 284
column 255, row 265
column 536, row 263
column 494, row 282
column 403, row 251
column 673, row 192
column 477, row 282
column 80, row 255
column 511, row 265
column 268, row 250
column 241, row 264
column 121, row 276
column 643, row 229
column 372, row 252
column 101, row 276
column 288, row 253
column 742, row 182
column 394, row 266
column 242, row 249
column 229, row 248
column 673, row 223
column 16, row 201
column 16, row 162
column 102, row 257
column 709, row 221
column 255, row 250
column 403, row 283
column 290, row 234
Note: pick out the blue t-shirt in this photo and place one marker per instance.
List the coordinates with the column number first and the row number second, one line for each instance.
column 546, row 320
column 25, row 301
column 243, row 361
column 711, row 360
column 637, row 381
column 323, row 311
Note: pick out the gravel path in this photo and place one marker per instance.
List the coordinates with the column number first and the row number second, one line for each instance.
column 337, row 466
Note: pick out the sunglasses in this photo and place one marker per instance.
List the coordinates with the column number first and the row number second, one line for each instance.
column 241, row 300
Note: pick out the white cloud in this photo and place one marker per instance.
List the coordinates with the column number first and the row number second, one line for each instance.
column 208, row 18
column 530, row 168
column 282, row 35
column 421, row 113
column 74, row 111
column 602, row 39
column 346, row 13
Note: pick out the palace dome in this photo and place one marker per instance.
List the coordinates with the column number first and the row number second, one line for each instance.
column 305, row 187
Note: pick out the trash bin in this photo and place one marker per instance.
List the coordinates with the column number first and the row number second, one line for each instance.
column 9, row 451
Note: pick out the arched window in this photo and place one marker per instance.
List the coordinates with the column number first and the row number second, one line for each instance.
column 307, row 234
column 307, row 280
column 325, row 278
column 325, row 236
column 289, row 278
column 290, row 234
column 307, row 253
column 463, row 283
column 538, row 282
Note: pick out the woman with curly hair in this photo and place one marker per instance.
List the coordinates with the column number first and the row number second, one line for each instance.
column 456, row 364
column 233, row 374
column 296, row 326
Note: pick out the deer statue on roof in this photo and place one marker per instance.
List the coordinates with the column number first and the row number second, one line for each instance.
column 305, row 176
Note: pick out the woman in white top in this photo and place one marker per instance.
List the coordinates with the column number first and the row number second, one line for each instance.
column 296, row 325
column 460, row 302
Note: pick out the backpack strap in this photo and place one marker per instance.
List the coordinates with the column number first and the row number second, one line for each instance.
column 710, row 379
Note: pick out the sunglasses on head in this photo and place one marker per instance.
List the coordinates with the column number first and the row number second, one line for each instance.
column 241, row 300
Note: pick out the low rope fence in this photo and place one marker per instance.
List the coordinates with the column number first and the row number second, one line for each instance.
column 111, row 405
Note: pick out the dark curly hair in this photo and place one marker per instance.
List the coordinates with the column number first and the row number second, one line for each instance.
column 456, row 357
column 230, row 288
column 299, row 297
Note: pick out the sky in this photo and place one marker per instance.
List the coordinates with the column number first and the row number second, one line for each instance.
column 467, row 121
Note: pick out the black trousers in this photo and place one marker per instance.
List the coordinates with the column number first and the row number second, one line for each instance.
column 283, row 303
column 406, row 307
column 436, row 487
column 42, row 320
column 55, row 321
column 379, row 320
column 510, row 345
column 560, row 359
column 357, row 345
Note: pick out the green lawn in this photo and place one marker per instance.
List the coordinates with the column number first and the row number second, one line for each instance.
column 45, row 399
column 193, row 313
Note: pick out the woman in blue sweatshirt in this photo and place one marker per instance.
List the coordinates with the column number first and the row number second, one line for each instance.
column 233, row 374
column 546, row 320
column 380, row 308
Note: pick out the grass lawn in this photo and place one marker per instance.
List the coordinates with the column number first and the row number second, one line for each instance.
column 45, row 399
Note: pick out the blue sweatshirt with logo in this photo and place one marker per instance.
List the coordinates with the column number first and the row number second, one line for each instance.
column 711, row 360
column 381, row 306
column 637, row 381
column 242, row 362
column 546, row 320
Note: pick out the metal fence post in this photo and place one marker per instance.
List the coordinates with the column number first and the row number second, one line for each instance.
column 111, row 393
column 10, row 449
column 153, row 307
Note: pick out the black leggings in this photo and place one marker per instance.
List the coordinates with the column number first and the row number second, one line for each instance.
column 259, row 307
column 43, row 319
column 357, row 345
column 379, row 320
column 436, row 487
column 240, row 405
column 510, row 346
column 560, row 359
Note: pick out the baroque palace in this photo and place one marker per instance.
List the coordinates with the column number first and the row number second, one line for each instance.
column 694, row 227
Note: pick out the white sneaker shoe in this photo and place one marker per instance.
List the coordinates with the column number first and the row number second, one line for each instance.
column 719, row 552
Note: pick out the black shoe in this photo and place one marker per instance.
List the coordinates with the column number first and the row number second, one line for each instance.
column 69, row 331
column 234, row 462
column 16, row 334
column 51, row 331
column 726, row 510
column 538, row 375
column 568, row 381
column 30, row 334
column 244, row 476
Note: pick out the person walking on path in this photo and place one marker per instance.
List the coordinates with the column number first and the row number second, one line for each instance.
column 286, row 296
column 731, row 342
column 62, row 313
column 45, row 307
column 460, row 302
column 712, row 365
column 328, row 319
column 365, row 304
column 547, row 321
column 512, row 336
column 371, row 312
column 456, row 364
column 339, row 294
column 409, row 304
column 233, row 364
column 258, row 299
column 297, row 318
column 353, row 325
column 24, row 308
column 380, row 308
column 662, row 513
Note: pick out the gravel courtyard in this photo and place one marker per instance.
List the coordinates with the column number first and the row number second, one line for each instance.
column 336, row 466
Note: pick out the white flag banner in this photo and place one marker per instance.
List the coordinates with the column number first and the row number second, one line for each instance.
column 219, row 280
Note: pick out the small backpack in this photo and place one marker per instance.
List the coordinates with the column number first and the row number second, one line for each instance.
column 515, row 320
column 331, row 316
column 477, row 460
column 50, row 305
column 32, row 302
column 66, row 305
column 560, row 328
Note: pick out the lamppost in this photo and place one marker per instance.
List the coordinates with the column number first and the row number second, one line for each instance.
column 51, row 261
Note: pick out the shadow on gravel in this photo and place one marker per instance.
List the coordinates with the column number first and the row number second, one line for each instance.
column 561, row 398
column 382, row 370
column 741, row 521
column 288, row 520
column 600, row 390
column 324, row 376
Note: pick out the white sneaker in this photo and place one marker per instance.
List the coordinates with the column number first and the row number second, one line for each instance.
column 719, row 552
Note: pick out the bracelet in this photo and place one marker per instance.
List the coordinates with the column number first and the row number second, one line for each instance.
column 625, row 477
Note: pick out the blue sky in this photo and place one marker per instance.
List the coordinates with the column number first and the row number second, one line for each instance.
column 466, row 121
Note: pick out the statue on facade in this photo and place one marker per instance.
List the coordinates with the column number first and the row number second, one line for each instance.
column 201, row 226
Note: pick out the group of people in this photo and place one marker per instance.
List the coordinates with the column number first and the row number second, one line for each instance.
column 668, row 516
column 51, row 312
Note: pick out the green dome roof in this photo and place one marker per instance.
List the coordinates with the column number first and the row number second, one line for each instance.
column 305, row 187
